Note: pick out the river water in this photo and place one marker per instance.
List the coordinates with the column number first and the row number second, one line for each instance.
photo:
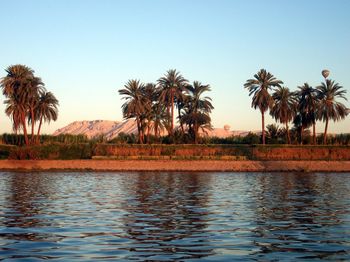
column 174, row 216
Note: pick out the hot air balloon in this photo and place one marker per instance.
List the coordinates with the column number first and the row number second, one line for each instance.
column 325, row 73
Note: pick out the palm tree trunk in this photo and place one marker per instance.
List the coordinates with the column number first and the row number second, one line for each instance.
column 181, row 124
column 325, row 133
column 39, row 128
column 288, row 134
column 142, row 135
column 156, row 130
column 25, row 129
column 168, row 120
column 263, row 127
column 314, row 133
column 139, row 130
column 301, row 134
column 195, row 133
column 172, row 113
column 33, row 123
column 148, row 132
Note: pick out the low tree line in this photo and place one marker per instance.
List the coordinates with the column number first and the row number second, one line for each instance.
column 27, row 101
column 303, row 107
column 18, row 139
column 153, row 107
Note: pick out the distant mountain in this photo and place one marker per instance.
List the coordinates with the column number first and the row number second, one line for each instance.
column 111, row 129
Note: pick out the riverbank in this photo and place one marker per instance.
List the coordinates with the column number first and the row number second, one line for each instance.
column 175, row 165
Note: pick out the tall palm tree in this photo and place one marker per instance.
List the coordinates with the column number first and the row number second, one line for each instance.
column 46, row 110
column 180, row 103
column 172, row 84
column 159, row 118
column 197, row 108
column 16, row 79
column 329, row 108
column 134, row 106
column 34, row 89
column 307, row 106
column 300, row 122
column 283, row 109
column 150, row 95
column 259, row 87
column 14, row 109
column 15, row 86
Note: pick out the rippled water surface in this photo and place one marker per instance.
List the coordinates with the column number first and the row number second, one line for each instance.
column 174, row 216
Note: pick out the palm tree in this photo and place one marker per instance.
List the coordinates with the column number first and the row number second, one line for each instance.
column 15, row 86
column 172, row 84
column 180, row 102
column 307, row 106
column 14, row 110
column 159, row 118
column 155, row 110
column 197, row 108
column 149, row 93
column 259, row 88
column 46, row 110
column 329, row 108
column 134, row 106
column 16, row 79
column 23, row 91
column 283, row 109
column 158, row 112
column 33, row 92
column 274, row 132
column 300, row 122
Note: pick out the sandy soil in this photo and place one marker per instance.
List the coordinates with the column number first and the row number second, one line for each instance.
column 176, row 165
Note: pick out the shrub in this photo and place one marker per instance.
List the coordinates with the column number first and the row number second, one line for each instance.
column 5, row 151
column 18, row 140
column 124, row 138
column 52, row 152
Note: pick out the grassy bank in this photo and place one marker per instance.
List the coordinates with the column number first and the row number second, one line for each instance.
column 58, row 151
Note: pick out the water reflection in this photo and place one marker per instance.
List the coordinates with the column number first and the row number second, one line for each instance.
column 23, row 214
column 301, row 215
column 27, row 191
column 174, row 216
column 166, row 214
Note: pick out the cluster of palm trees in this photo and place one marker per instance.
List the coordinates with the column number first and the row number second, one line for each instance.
column 303, row 107
column 153, row 105
column 27, row 101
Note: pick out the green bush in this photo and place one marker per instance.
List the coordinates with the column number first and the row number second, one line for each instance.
column 5, row 151
column 249, row 139
column 12, row 139
column 18, row 140
column 172, row 150
column 124, row 138
column 52, row 152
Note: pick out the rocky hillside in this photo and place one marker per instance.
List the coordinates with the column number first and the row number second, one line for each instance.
column 111, row 129
column 94, row 128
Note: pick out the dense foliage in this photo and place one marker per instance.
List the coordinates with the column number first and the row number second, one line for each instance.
column 156, row 107
column 18, row 140
column 27, row 101
column 152, row 106
column 124, row 146
column 302, row 107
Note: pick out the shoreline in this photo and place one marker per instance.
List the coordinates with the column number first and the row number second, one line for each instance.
column 175, row 165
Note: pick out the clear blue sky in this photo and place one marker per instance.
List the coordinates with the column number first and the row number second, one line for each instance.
column 86, row 50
